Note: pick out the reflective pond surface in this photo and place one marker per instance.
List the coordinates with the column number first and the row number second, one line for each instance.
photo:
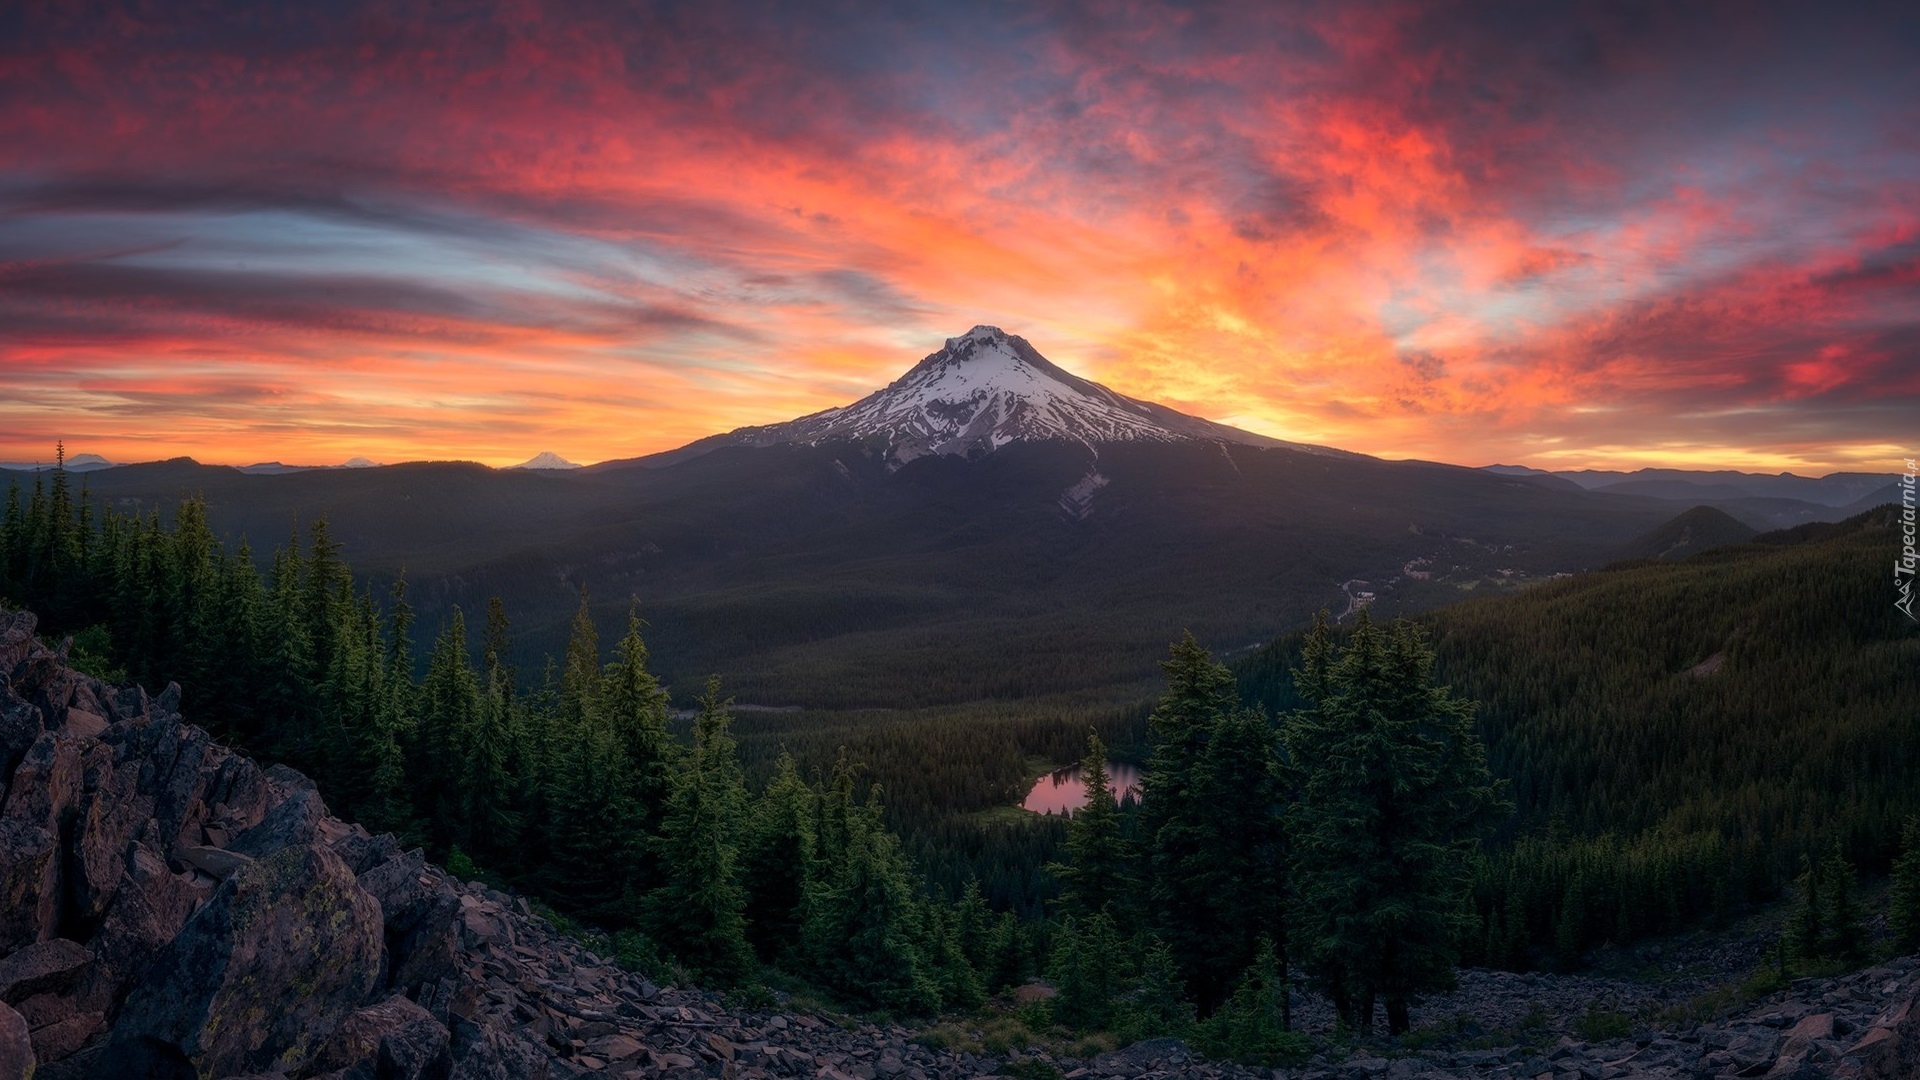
column 1063, row 790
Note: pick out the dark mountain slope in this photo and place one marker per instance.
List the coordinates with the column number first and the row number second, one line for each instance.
column 829, row 575
column 1695, row 531
column 1761, row 695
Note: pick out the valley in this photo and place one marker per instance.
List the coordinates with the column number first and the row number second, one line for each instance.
column 917, row 604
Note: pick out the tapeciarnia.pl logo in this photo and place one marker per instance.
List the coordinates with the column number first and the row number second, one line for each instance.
column 1903, row 566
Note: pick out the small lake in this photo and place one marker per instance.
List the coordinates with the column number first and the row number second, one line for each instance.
column 1064, row 790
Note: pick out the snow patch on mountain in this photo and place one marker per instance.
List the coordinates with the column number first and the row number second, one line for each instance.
column 984, row 390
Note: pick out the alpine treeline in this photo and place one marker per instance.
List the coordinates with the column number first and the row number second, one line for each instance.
column 577, row 793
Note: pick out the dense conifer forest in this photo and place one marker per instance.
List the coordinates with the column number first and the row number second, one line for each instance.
column 1506, row 782
column 1679, row 736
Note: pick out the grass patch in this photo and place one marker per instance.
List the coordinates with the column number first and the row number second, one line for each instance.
column 1723, row 999
column 1603, row 1025
column 1032, row 1069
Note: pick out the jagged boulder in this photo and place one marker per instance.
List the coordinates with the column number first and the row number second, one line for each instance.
column 16, row 1048
column 29, row 874
column 147, row 913
column 259, row 977
column 393, row 1040
column 423, row 919
column 1890, row 1049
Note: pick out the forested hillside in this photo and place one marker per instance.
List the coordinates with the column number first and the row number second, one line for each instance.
column 817, row 576
column 1678, row 735
column 1665, row 742
column 574, row 790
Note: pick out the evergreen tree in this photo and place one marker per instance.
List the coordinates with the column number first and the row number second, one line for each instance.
column 450, row 708
column 777, row 861
column 580, row 678
column 584, row 792
column 952, row 974
column 1097, row 877
column 698, row 912
column 1393, row 793
column 1009, row 953
column 1159, row 1006
column 1846, row 936
column 1251, row 1027
column 635, row 708
column 1807, row 927
column 973, row 929
column 1173, row 817
column 1235, row 857
column 1903, row 899
column 861, row 911
column 1086, row 966
column 388, row 802
column 489, row 824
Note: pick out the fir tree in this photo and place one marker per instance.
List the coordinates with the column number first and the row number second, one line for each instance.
column 1903, row 899
column 1086, row 966
column 777, row 861
column 1846, row 936
column 1200, row 693
column 698, row 912
column 1251, row 1027
column 1097, row 876
column 1393, row 794
column 1807, row 928
column 450, row 709
column 635, row 709
column 580, row 677
column 860, row 914
column 1159, row 1006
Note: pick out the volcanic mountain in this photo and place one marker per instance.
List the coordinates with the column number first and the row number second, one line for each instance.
column 986, row 389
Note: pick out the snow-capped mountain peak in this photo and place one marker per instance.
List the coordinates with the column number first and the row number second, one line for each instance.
column 545, row 459
column 985, row 389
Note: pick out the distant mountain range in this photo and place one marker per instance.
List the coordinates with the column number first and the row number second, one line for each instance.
column 78, row 463
column 1862, row 490
column 987, row 526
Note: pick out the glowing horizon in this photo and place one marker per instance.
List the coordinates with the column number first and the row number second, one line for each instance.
column 1587, row 236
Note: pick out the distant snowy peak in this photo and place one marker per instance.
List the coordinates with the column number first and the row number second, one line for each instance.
column 545, row 459
column 985, row 389
column 75, row 463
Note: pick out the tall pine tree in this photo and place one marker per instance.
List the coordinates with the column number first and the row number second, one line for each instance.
column 1393, row 794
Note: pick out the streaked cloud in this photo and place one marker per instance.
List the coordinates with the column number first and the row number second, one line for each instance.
column 1587, row 234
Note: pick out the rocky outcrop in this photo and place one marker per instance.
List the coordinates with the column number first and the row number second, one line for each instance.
column 170, row 909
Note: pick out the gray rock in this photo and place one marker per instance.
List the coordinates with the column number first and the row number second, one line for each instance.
column 16, row 639
column 258, row 978
column 62, row 1039
column 16, row 1047
column 218, row 862
column 146, row 915
column 422, row 913
column 29, row 883
column 501, row 1055
column 292, row 822
column 46, row 967
column 394, row 1040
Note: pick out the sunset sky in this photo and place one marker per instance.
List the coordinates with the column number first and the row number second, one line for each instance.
column 1563, row 235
